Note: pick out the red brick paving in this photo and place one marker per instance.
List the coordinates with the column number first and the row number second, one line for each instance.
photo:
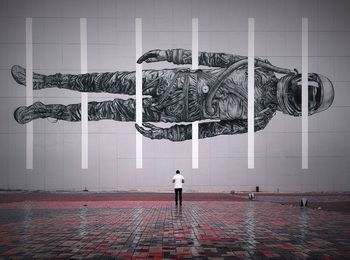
column 148, row 226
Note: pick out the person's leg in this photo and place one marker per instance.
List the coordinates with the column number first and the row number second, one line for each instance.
column 117, row 109
column 180, row 195
column 111, row 82
column 176, row 195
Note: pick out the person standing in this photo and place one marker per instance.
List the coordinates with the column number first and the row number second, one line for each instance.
column 178, row 179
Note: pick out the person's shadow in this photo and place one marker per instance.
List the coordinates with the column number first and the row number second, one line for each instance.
column 178, row 212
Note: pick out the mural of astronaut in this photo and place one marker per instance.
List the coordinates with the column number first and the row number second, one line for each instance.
column 218, row 94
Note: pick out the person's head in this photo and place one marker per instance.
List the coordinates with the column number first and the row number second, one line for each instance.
column 177, row 172
column 320, row 93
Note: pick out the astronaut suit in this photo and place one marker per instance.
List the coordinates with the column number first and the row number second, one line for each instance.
column 217, row 95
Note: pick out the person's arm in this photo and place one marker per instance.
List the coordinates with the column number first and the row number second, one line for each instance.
column 182, row 56
column 183, row 180
column 209, row 59
column 178, row 133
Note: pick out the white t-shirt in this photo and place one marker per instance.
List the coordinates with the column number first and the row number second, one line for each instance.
column 178, row 181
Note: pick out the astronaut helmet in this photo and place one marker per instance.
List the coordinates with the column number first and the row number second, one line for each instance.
column 320, row 92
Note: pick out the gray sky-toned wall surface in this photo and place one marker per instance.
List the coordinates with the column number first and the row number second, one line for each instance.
column 166, row 24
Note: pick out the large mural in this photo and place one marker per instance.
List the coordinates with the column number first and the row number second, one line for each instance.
column 218, row 95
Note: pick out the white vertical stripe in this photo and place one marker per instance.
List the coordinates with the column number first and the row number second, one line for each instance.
column 138, row 36
column 251, row 23
column 29, row 90
column 84, row 96
column 304, row 96
column 195, row 67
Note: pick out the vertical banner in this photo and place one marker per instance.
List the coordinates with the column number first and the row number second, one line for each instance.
column 251, row 24
column 29, row 90
column 304, row 95
column 84, row 96
column 195, row 67
column 138, row 38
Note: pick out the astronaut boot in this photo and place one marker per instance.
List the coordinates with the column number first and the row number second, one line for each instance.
column 19, row 75
column 40, row 81
column 25, row 114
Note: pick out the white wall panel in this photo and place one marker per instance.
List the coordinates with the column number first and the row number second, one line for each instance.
column 72, row 161
column 54, row 161
column 126, row 174
column 4, row 161
column 17, row 161
column 90, row 178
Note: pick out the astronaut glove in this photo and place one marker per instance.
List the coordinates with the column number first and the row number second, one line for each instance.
column 153, row 56
column 151, row 131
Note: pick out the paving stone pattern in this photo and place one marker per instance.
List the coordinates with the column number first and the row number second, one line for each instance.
column 159, row 230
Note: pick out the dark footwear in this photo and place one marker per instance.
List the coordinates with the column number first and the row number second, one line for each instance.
column 25, row 114
column 19, row 75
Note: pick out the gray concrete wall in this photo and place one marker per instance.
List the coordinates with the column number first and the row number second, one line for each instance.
column 223, row 26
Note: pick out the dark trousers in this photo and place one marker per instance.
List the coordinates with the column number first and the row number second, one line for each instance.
column 178, row 194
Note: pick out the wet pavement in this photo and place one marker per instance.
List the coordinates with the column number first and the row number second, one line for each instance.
column 149, row 226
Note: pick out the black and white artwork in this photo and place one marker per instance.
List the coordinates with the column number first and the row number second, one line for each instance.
column 218, row 95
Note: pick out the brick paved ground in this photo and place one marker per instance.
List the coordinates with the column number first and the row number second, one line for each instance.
column 220, row 226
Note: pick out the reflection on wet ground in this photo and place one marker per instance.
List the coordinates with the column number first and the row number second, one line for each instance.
column 124, row 229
